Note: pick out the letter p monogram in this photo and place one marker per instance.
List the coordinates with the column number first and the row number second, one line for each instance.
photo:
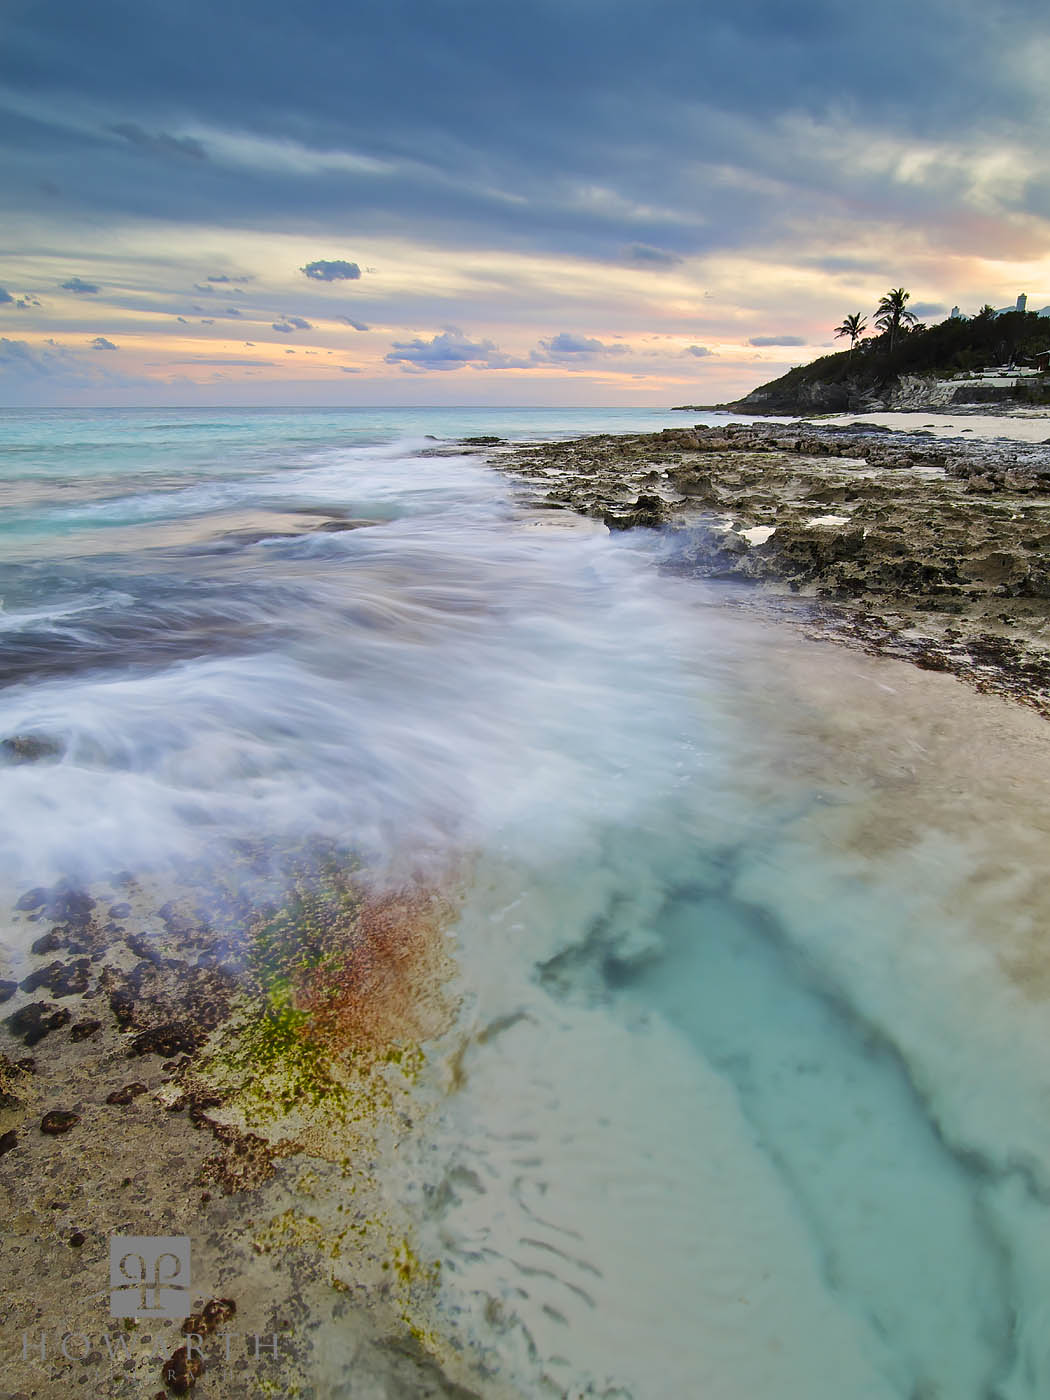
column 149, row 1276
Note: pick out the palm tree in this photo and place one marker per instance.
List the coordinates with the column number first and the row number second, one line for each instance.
column 892, row 313
column 854, row 326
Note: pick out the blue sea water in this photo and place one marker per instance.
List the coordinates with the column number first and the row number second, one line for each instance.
column 768, row 1118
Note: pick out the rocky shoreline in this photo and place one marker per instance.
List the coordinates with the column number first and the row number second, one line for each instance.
column 231, row 1070
column 932, row 549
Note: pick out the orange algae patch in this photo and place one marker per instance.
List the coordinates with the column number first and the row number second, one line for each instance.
column 382, row 986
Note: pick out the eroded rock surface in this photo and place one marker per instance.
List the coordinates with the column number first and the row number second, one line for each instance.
column 929, row 548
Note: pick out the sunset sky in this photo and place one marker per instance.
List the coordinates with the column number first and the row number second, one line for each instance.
column 551, row 202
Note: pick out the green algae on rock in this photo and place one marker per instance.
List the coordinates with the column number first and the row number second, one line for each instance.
column 285, row 1084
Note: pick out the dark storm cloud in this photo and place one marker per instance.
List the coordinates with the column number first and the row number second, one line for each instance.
column 776, row 340
column 337, row 271
column 603, row 127
column 78, row 285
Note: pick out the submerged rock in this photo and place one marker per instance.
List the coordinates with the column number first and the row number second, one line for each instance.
column 29, row 748
column 164, row 1040
column 215, row 1313
column 126, row 1093
column 59, row 1120
column 182, row 1371
column 32, row 1022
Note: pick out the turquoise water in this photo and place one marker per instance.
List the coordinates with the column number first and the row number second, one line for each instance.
column 766, row 1119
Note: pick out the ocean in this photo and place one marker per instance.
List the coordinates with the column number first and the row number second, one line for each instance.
column 753, row 922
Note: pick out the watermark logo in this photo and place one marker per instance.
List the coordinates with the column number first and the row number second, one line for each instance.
column 149, row 1276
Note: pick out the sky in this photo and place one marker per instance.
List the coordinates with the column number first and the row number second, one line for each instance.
column 547, row 202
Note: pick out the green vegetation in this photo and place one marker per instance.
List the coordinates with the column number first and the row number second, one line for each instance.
column 273, row 1065
column 854, row 326
column 871, row 367
column 892, row 314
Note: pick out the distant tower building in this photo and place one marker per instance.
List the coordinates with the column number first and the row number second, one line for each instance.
column 956, row 314
column 1022, row 301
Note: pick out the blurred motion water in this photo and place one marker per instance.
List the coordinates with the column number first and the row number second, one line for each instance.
column 759, row 1110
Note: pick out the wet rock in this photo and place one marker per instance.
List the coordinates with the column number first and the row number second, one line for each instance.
column 648, row 512
column 7, row 1141
column 83, row 1029
column 36, row 1020
column 76, row 1239
column 215, row 1314
column 66, row 905
column 32, row 899
column 48, row 942
column 7, row 990
column 59, row 1120
column 61, row 979
column 175, row 921
column 29, row 748
column 119, row 911
column 122, row 1005
column 483, row 441
column 933, row 529
column 199, row 1105
column 182, row 1371
column 166, row 1041
column 126, row 1093
column 142, row 948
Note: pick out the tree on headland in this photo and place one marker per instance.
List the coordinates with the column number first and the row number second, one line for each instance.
column 854, row 326
column 892, row 313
